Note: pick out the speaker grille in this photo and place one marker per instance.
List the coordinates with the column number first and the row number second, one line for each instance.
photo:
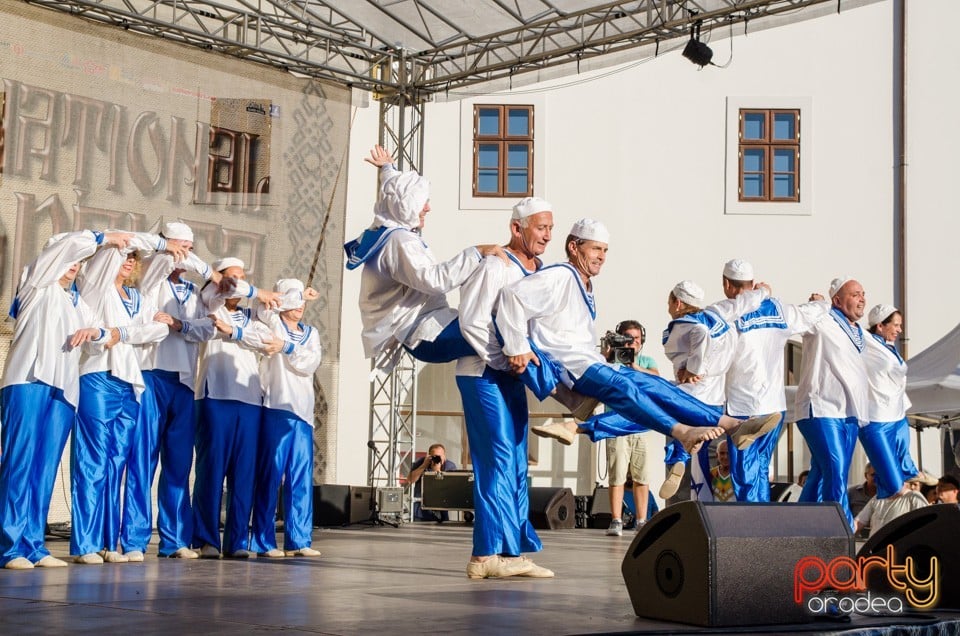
column 669, row 573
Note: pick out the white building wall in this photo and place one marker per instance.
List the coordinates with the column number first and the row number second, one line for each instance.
column 645, row 151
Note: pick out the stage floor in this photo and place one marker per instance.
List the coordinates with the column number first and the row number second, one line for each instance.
column 372, row 580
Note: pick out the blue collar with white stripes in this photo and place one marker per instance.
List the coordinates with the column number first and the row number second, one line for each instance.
column 768, row 316
column 854, row 331
column 716, row 326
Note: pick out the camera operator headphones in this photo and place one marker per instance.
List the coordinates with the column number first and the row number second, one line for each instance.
column 643, row 332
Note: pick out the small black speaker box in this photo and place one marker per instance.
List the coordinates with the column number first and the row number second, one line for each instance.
column 920, row 535
column 729, row 564
column 552, row 508
column 336, row 505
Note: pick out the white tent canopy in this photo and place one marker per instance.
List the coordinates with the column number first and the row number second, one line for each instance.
column 933, row 380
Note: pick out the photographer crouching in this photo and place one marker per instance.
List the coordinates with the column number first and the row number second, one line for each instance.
column 627, row 454
column 435, row 461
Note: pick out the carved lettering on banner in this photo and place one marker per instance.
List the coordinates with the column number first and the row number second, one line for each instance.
column 145, row 123
column 226, row 166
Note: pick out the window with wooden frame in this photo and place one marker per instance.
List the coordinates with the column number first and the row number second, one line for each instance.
column 769, row 155
column 502, row 150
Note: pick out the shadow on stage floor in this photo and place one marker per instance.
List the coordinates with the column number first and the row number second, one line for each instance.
column 373, row 580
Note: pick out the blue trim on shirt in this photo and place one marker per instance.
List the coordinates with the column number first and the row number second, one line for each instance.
column 716, row 326
column 588, row 298
column 768, row 316
column 364, row 247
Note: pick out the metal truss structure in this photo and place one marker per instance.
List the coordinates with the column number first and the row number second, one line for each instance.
column 393, row 397
column 449, row 44
column 393, row 428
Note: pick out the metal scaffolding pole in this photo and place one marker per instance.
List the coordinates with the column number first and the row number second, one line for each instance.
column 393, row 397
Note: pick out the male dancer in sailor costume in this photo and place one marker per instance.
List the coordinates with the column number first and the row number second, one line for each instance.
column 832, row 394
column 495, row 406
column 40, row 391
column 111, row 386
column 228, row 426
column 553, row 310
column 700, row 345
column 755, row 378
column 886, row 438
column 166, row 432
column 402, row 286
column 285, row 452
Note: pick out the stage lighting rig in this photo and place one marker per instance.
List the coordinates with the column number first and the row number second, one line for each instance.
column 696, row 51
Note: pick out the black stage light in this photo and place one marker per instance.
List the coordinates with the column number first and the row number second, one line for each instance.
column 698, row 52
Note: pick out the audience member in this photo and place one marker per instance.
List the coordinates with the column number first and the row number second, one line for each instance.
column 880, row 511
column 859, row 495
column 721, row 482
column 947, row 489
column 627, row 455
column 434, row 461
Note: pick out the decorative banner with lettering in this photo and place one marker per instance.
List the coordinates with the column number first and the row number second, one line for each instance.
column 102, row 128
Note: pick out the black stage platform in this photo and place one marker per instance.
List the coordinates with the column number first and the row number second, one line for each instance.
column 370, row 580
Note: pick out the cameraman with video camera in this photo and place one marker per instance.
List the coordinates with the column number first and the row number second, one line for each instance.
column 434, row 461
column 628, row 453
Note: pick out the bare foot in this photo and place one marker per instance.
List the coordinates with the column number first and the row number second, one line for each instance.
column 690, row 436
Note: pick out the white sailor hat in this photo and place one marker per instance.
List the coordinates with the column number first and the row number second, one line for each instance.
column 590, row 230
column 689, row 292
column 738, row 269
column 285, row 285
column 529, row 206
column 880, row 313
column 229, row 261
column 837, row 284
column 178, row 231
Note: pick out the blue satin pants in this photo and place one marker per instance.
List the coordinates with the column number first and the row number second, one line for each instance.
column 495, row 410
column 750, row 468
column 887, row 445
column 675, row 453
column 36, row 420
column 646, row 401
column 102, row 447
column 831, row 441
column 227, row 435
column 167, row 430
column 285, row 454
column 446, row 347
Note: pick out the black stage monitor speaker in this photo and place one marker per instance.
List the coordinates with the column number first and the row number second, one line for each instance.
column 449, row 490
column 920, row 535
column 720, row 564
column 552, row 508
column 335, row 505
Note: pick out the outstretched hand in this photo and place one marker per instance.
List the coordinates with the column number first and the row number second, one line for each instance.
column 379, row 157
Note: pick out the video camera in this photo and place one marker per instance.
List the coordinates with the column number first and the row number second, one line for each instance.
column 616, row 345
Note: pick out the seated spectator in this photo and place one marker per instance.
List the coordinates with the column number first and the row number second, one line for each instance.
column 947, row 489
column 434, row 461
column 860, row 494
column 721, row 482
column 879, row 512
column 802, row 479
